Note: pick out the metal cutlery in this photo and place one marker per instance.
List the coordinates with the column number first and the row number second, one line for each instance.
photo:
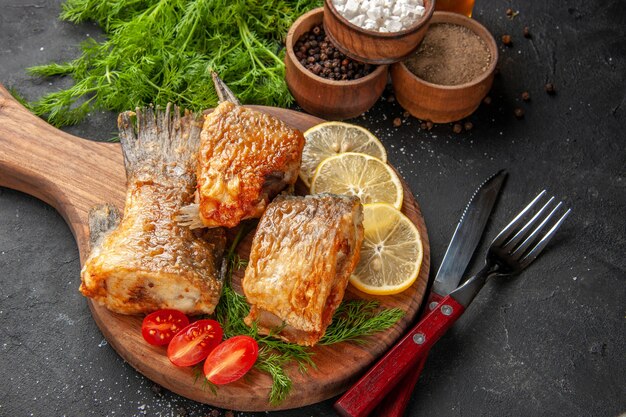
column 515, row 247
column 458, row 254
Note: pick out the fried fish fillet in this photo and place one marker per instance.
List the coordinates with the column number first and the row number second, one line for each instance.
column 148, row 261
column 303, row 253
column 246, row 158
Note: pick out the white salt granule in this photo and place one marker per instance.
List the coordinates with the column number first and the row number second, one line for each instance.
column 358, row 21
column 351, row 9
column 381, row 15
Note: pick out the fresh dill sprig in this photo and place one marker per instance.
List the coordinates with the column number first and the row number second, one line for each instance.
column 160, row 51
column 19, row 98
column 274, row 364
column 356, row 319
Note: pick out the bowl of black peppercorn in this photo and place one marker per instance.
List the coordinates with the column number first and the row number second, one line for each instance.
column 324, row 81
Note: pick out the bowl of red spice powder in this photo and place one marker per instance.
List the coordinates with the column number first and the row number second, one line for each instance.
column 324, row 81
column 451, row 72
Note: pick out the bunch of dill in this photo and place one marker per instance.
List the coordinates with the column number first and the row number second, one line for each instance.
column 160, row 51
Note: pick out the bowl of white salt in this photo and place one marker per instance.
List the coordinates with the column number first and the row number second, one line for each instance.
column 450, row 73
column 377, row 31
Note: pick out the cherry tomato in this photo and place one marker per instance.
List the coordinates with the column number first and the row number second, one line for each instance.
column 231, row 359
column 159, row 328
column 193, row 343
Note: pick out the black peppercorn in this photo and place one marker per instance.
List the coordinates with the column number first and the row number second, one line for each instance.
column 156, row 390
column 550, row 89
column 526, row 96
column 526, row 32
column 519, row 113
column 397, row 122
column 468, row 125
column 506, row 40
column 457, row 128
column 316, row 53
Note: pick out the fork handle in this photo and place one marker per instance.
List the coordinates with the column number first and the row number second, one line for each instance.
column 395, row 403
column 361, row 399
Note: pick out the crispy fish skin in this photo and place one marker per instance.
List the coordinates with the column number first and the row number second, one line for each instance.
column 303, row 253
column 147, row 261
column 246, row 158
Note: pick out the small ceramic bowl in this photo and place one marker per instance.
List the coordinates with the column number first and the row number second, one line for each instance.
column 370, row 46
column 445, row 103
column 330, row 99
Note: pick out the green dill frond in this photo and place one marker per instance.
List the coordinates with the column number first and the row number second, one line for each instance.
column 51, row 70
column 356, row 319
column 159, row 51
column 274, row 364
column 20, row 99
column 238, row 262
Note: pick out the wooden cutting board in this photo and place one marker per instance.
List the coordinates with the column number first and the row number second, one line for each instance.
column 73, row 175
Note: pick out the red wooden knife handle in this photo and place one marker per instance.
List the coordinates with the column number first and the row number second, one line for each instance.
column 361, row 399
column 395, row 403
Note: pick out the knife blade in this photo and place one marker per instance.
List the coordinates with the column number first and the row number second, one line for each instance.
column 467, row 234
column 458, row 255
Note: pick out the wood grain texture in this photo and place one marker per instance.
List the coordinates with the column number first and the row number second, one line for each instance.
column 445, row 103
column 370, row 46
column 329, row 99
column 73, row 175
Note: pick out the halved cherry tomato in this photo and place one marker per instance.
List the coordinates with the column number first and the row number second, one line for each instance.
column 159, row 328
column 193, row 343
column 231, row 359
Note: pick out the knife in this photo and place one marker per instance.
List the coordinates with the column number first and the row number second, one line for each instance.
column 460, row 250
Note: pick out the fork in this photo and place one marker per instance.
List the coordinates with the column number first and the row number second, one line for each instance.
column 515, row 247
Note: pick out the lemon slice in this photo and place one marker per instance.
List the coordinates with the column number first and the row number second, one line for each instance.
column 391, row 254
column 364, row 176
column 332, row 138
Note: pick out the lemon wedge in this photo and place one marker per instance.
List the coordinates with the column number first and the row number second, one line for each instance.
column 332, row 138
column 391, row 254
column 364, row 176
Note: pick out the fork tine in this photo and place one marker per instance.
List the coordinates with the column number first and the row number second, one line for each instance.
column 506, row 232
column 521, row 234
column 521, row 249
column 532, row 255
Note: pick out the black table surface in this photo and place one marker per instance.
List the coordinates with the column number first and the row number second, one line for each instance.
column 548, row 342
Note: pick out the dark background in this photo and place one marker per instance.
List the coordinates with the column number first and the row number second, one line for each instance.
column 549, row 342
